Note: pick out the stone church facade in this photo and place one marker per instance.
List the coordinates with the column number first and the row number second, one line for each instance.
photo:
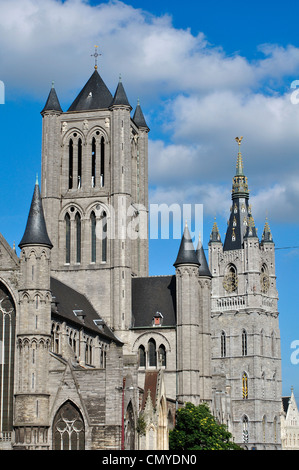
column 97, row 354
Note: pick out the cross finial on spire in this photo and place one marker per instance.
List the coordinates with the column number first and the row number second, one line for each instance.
column 95, row 55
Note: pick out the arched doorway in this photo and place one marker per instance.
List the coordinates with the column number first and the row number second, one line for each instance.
column 68, row 428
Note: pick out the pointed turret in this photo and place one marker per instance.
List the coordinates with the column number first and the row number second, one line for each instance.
column 120, row 97
column 52, row 103
column 267, row 235
column 186, row 254
column 203, row 264
column 138, row 117
column 94, row 95
column 251, row 228
column 215, row 235
column 36, row 230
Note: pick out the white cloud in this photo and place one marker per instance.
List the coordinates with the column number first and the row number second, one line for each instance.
column 207, row 98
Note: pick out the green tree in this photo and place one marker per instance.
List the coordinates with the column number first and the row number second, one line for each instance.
column 197, row 429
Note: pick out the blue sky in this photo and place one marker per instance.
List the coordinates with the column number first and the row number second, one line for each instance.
column 205, row 72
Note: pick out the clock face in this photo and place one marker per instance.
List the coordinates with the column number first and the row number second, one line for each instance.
column 265, row 282
column 230, row 282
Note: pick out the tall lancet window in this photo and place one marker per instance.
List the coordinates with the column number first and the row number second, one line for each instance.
column 71, row 151
column 67, row 239
column 244, row 343
column 223, row 344
column 93, row 238
column 93, row 162
column 78, row 237
column 79, row 163
column 102, row 161
column 104, row 237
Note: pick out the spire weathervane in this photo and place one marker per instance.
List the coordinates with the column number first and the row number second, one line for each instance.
column 95, row 55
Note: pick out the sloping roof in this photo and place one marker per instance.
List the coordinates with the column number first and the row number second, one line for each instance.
column 67, row 301
column 151, row 295
column 36, row 230
column 203, row 269
column 52, row 103
column 94, row 95
column 186, row 254
column 285, row 403
column 150, row 387
column 120, row 96
column 138, row 117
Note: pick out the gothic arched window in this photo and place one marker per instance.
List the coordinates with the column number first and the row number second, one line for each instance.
column 102, row 162
column 71, row 164
column 230, row 280
column 129, row 428
column 162, row 355
column 141, row 356
column 93, row 237
column 245, row 430
column 152, row 357
column 67, row 239
column 79, row 184
column 104, row 237
column 68, row 428
column 78, row 237
column 93, row 162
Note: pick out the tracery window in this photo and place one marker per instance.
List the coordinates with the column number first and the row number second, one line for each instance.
column 230, row 280
column 68, row 428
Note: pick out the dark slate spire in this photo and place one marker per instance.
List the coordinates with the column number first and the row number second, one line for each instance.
column 240, row 217
column 203, row 265
column 52, row 103
column 251, row 230
column 138, row 117
column 186, row 254
column 94, row 95
column 120, row 97
column 36, row 231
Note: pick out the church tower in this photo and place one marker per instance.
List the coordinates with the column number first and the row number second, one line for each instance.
column 244, row 319
column 95, row 196
column 193, row 280
column 33, row 333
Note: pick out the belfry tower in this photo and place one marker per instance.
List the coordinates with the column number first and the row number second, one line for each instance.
column 244, row 320
column 95, row 196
